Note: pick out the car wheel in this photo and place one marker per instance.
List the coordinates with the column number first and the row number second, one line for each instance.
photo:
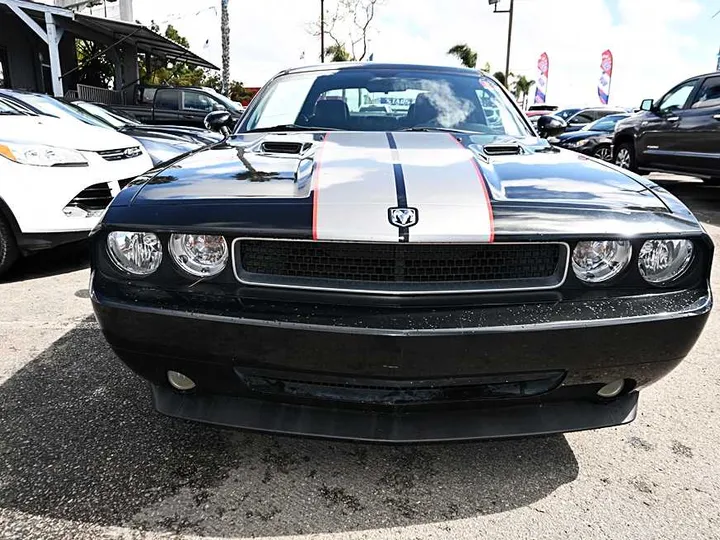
column 8, row 249
column 603, row 153
column 625, row 157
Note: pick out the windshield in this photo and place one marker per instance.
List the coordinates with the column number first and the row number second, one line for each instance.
column 8, row 108
column 52, row 107
column 109, row 117
column 230, row 105
column 385, row 99
column 605, row 124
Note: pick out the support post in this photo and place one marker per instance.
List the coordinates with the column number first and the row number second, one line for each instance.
column 509, row 43
column 322, row 31
column 52, row 44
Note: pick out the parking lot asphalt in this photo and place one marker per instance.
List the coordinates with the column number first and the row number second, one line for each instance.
column 83, row 455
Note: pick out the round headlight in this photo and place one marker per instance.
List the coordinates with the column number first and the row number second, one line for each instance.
column 199, row 255
column 596, row 261
column 137, row 253
column 661, row 261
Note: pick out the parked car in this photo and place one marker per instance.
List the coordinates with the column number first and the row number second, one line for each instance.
column 182, row 106
column 433, row 277
column 161, row 142
column 56, row 178
column 593, row 140
column 583, row 117
column 679, row 133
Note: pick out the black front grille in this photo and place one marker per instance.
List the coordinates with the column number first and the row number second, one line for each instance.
column 390, row 267
column 96, row 197
column 378, row 392
column 120, row 153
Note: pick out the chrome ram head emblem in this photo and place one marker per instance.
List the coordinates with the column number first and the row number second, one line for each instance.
column 403, row 217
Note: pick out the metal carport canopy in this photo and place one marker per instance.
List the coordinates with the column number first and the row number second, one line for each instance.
column 143, row 38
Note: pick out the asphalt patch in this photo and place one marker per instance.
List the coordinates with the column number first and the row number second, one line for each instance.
column 79, row 440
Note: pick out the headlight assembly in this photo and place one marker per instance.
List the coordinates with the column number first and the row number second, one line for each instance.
column 661, row 261
column 41, row 155
column 200, row 255
column 597, row 261
column 136, row 253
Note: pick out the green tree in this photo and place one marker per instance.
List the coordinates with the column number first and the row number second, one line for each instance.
column 337, row 53
column 225, row 34
column 177, row 73
column 465, row 54
column 521, row 88
column 95, row 69
column 500, row 76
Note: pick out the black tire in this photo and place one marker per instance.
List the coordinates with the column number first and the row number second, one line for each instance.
column 625, row 156
column 8, row 248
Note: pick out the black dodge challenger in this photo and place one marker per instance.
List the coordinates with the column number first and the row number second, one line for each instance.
column 432, row 271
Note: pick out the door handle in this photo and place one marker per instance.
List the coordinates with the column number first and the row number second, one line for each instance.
column 717, row 117
column 673, row 119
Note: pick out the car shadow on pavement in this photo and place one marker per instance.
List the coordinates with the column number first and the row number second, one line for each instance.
column 80, row 441
column 60, row 260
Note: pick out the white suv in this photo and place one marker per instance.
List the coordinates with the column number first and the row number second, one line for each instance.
column 56, row 179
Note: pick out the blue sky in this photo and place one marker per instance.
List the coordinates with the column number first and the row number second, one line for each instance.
column 656, row 43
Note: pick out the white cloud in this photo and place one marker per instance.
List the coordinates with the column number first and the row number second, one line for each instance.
column 651, row 52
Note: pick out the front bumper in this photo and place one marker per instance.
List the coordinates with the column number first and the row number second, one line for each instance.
column 400, row 376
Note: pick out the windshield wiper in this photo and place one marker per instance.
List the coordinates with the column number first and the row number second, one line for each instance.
column 290, row 127
column 441, row 129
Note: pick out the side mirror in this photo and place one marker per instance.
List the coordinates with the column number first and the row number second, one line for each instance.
column 218, row 107
column 219, row 121
column 646, row 105
column 550, row 126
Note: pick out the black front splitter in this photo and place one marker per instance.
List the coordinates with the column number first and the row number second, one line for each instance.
column 395, row 427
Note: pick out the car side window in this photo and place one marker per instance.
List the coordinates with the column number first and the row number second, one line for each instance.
column 709, row 95
column 677, row 98
column 582, row 118
column 195, row 101
column 166, row 100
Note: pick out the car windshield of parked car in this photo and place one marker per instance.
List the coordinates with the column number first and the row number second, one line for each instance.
column 605, row 124
column 386, row 100
column 52, row 107
column 103, row 114
column 228, row 103
column 7, row 108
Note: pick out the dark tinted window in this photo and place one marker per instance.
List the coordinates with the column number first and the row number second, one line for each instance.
column 166, row 100
column 709, row 95
column 582, row 118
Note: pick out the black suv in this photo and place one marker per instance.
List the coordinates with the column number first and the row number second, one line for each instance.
column 679, row 133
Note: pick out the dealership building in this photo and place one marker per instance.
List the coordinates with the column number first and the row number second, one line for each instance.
column 38, row 48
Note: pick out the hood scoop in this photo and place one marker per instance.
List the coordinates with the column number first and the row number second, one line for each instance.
column 503, row 149
column 284, row 147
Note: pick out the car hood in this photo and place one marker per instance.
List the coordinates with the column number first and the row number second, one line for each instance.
column 173, row 133
column 343, row 185
column 580, row 135
column 61, row 133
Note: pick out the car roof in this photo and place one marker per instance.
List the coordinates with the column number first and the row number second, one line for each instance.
column 333, row 66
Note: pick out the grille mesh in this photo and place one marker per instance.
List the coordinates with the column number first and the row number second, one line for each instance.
column 400, row 263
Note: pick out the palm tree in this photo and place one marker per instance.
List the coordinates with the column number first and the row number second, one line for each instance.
column 465, row 54
column 522, row 87
column 337, row 53
column 500, row 76
column 225, row 33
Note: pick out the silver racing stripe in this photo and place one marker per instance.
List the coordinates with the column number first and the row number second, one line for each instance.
column 444, row 182
column 354, row 186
